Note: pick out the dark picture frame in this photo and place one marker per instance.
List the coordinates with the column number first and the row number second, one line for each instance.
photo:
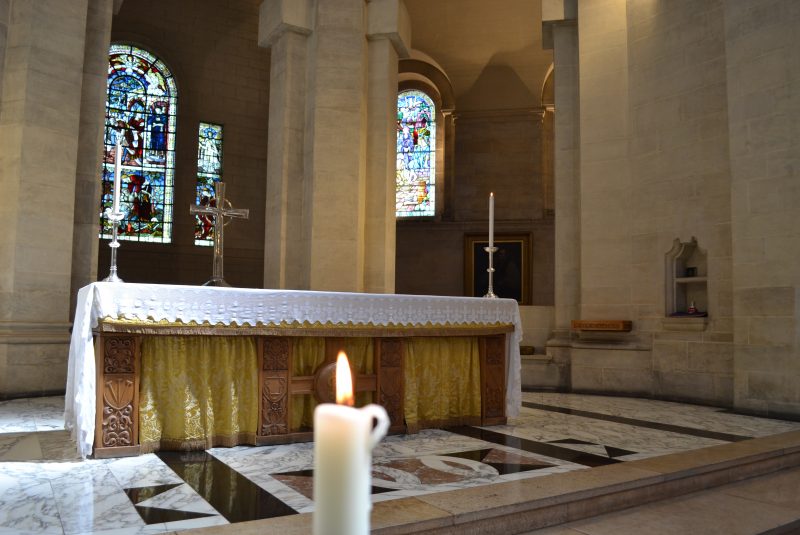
column 512, row 264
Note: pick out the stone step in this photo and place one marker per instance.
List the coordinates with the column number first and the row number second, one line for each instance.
column 528, row 504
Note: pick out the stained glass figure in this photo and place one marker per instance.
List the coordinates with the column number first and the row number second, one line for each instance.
column 141, row 108
column 416, row 155
column 209, row 171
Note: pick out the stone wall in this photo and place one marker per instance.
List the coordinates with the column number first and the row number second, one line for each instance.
column 763, row 73
column 680, row 189
column 493, row 57
column 687, row 131
column 654, row 167
column 40, row 112
column 222, row 77
column 5, row 11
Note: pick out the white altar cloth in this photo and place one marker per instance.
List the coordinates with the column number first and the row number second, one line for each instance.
column 244, row 306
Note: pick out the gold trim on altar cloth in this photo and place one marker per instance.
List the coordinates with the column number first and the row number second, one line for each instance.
column 296, row 328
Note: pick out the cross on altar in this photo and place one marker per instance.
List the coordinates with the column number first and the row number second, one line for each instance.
column 219, row 212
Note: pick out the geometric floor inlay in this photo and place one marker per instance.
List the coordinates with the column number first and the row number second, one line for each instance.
column 217, row 483
column 46, row 488
column 591, row 447
column 302, row 481
column 158, row 515
column 502, row 461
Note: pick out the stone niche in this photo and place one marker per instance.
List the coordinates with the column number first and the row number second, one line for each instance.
column 686, row 286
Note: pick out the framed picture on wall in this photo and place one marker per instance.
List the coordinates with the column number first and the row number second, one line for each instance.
column 512, row 265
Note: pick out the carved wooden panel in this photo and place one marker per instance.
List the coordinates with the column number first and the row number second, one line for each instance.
column 274, row 406
column 276, row 353
column 119, row 354
column 275, row 381
column 392, row 353
column 118, row 425
column 493, row 378
column 390, row 379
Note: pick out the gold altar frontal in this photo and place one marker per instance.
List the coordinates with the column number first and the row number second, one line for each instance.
column 190, row 387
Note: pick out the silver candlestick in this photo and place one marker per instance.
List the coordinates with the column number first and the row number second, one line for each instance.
column 115, row 218
column 491, row 251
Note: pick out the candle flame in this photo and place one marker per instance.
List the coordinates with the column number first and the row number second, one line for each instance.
column 344, row 381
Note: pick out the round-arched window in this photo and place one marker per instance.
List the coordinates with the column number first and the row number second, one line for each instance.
column 141, row 108
column 416, row 155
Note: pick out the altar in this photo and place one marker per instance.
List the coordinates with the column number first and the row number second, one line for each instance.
column 184, row 367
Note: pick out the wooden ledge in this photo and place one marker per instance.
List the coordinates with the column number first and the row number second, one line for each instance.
column 602, row 325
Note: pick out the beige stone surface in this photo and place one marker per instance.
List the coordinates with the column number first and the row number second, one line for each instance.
column 537, row 324
column 85, row 245
column 666, row 122
column 711, row 513
column 781, row 489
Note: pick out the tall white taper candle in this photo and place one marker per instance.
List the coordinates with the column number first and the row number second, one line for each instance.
column 343, row 443
column 491, row 219
column 117, row 176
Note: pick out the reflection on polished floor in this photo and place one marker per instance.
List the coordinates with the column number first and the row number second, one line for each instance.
column 46, row 488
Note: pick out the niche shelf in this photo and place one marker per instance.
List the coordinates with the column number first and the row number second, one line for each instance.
column 686, row 285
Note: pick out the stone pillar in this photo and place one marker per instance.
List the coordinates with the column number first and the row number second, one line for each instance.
column 449, row 193
column 40, row 111
column 763, row 109
column 566, row 182
column 5, row 11
column 284, row 27
column 87, row 182
column 336, row 142
column 388, row 40
column 333, row 87
column 605, row 196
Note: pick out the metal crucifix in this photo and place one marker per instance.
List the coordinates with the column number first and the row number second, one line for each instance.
column 219, row 212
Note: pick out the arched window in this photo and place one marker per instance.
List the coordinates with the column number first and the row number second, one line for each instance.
column 209, row 172
column 141, row 107
column 416, row 155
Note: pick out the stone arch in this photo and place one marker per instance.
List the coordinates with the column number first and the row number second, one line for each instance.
column 422, row 73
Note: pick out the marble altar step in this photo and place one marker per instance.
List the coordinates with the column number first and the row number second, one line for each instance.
column 525, row 505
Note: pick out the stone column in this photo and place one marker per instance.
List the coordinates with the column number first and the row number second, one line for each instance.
column 284, row 27
column 763, row 74
column 566, row 198
column 336, row 143
column 566, row 182
column 333, row 88
column 605, row 196
column 449, row 193
column 5, row 10
column 388, row 35
column 87, row 181
column 40, row 112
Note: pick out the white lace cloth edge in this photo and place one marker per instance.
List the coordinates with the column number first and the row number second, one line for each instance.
column 200, row 304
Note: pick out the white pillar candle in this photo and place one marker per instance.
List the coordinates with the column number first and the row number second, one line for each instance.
column 491, row 219
column 117, row 177
column 343, row 443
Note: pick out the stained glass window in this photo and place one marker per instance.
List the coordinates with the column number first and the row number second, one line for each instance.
column 209, row 171
column 416, row 147
column 141, row 107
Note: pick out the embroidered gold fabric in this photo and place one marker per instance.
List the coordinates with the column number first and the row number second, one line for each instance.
column 443, row 385
column 197, row 392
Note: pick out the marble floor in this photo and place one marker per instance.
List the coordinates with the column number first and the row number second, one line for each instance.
column 46, row 488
